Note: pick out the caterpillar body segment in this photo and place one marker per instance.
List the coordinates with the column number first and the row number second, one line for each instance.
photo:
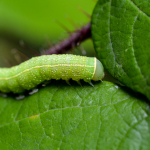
column 30, row 73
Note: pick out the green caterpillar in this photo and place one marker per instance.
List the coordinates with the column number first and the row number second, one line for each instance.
column 30, row 73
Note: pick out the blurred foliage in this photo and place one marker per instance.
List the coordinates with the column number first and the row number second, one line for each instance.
column 36, row 23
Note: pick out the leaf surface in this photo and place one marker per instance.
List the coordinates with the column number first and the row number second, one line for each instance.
column 121, row 36
column 60, row 116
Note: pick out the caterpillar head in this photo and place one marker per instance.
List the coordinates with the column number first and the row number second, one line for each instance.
column 99, row 71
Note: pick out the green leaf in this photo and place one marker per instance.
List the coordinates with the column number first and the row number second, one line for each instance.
column 60, row 116
column 121, row 35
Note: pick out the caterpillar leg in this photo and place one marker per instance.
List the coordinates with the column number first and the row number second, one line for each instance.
column 79, row 82
column 67, row 81
column 33, row 91
column 45, row 83
column 20, row 97
column 91, row 83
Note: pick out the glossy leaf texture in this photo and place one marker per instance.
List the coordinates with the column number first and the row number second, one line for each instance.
column 121, row 36
column 61, row 116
